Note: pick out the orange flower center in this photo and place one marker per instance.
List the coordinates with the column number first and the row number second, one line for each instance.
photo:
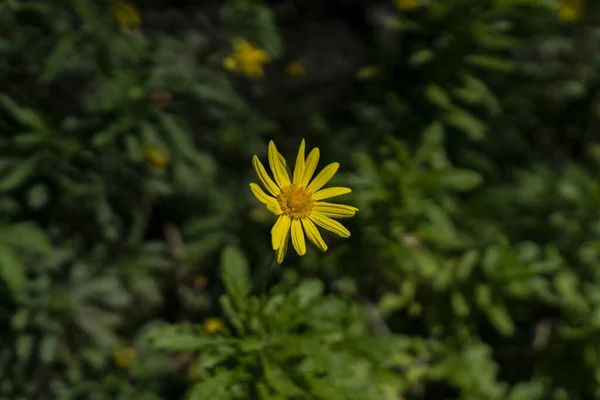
column 295, row 202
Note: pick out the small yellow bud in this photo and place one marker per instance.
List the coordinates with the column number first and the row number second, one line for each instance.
column 407, row 5
column 295, row 69
column 570, row 10
column 213, row 325
column 155, row 157
column 124, row 356
column 126, row 15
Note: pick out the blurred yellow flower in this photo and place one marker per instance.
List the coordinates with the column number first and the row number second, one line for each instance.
column 297, row 200
column 246, row 59
column 213, row 325
column 124, row 356
column 126, row 15
column 407, row 5
column 295, row 69
column 570, row 10
column 155, row 157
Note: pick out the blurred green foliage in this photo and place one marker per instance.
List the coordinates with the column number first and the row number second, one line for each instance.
column 135, row 264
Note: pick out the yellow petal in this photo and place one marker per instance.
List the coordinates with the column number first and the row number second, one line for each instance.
column 313, row 234
column 283, row 247
column 278, row 169
column 329, row 224
column 231, row 64
column 241, row 45
column 285, row 164
column 298, row 238
column 299, row 167
column 335, row 210
column 264, row 178
column 323, row 177
column 280, row 230
column 330, row 192
column 310, row 166
column 270, row 202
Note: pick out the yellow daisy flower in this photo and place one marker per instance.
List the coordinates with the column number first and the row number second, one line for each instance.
column 297, row 200
column 570, row 10
column 126, row 15
column 246, row 58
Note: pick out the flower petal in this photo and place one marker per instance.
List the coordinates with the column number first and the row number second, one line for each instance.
column 313, row 234
column 264, row 178
column 278, row 169
column 330, row 192
column 298, row 238
column 329, row 224
column 310, row 166
column 299, row 167
column 280, row 230
column 335, row 210
column 323, row 177
column 283, row 246
column 285, row 164
column 271, row 202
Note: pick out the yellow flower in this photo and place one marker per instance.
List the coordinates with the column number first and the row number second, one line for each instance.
column 570, row 10
column 295, row 69
column 246, row 59
column 126, row 15
column 407, row 5
column 297, row 201
column 155, row 157
column 124, row 356
column 213, row 325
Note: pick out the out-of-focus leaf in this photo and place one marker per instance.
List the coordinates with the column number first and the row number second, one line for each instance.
column 12, row 270
column 213, row 388
column 235, row 273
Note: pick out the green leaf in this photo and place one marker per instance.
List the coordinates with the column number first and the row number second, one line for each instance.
column 466, row 122
column 213, row 388
column 235, row 273
column 500, row 318
column 48, row 348
column 175, row 338
column 15, row 177
column 490, row 63
column 24, row 347
column 268, row 33
column 438, row 96
column 179, row 135
column 466, row 264
column 279, row 381
column 461, row 180
column 25, row 116
column 37, row 196
column 460, row 305
column 12, row 270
